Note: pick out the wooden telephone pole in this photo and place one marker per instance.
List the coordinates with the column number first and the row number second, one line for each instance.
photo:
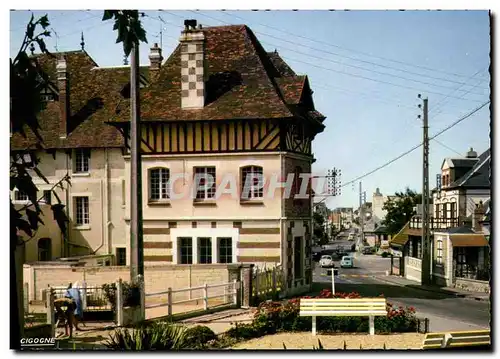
column 426, row 247
column 136, row 235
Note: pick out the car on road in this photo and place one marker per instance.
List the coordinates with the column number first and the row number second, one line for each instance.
column 326, row 262
column 369, row 250
column 347, row 262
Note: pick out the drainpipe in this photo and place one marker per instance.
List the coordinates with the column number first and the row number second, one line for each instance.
column 103, row 184
column 66, row 240
column 108, row 204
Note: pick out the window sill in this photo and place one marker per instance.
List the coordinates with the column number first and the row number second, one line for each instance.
column 81, row 174
column 83, row 227
column 253, row 201
column 162, row 202
column 204, row 202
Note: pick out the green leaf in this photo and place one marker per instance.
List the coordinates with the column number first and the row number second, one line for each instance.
column 44, row 21
column 24, row 226
column 40, row 174
column 33, row 218
column 108, row 14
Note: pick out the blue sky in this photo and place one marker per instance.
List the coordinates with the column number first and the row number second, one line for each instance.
column 366, row 69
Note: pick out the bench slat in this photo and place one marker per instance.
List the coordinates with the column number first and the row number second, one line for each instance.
column 342, row 314
column 330, row 300
column 342, row 308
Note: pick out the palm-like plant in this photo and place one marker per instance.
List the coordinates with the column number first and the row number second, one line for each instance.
column 157, row 336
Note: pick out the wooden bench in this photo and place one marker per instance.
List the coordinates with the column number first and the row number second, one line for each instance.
column 337, row 307
column 471, row 338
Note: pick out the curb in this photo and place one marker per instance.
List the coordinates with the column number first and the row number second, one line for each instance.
column 457, row 295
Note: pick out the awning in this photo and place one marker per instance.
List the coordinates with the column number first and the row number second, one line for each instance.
column 469, row 240
column 400, row 239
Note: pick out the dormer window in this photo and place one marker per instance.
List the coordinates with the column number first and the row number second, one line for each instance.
column 46, row 95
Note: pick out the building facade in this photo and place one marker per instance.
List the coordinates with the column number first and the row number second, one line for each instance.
column 220, row 115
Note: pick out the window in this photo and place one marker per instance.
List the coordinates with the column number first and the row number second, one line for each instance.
column 121, row 256
column 20, row 196
column 252, row 182
column 44, row 249
column 297, row 257
column 205, row 250
column 439, row 251
column 81, row 163
column 225, row 250
column 47, row 196
column 437, row 211
column 202, row 175
column 82, row 211
column 46, row 95
column 158, row 184
column 186, row 250
column 443, row 181
column 461, row 269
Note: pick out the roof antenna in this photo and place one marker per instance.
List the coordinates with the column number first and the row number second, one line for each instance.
column 161, row 31
column 57, row 38
column 82, row 44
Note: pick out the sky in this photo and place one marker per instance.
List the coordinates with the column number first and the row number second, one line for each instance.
column 366, row 69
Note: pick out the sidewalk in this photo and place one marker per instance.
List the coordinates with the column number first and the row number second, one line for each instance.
column 443, row 290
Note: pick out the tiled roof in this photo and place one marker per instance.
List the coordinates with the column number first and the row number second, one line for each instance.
column 477, row 176
column 280, row 64
column 243, row 81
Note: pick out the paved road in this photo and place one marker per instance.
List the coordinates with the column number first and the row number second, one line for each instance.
column 444, row 311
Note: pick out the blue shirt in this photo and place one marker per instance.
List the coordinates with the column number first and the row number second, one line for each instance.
column 75, row 295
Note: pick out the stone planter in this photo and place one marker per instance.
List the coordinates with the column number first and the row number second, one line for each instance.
column 131, row 315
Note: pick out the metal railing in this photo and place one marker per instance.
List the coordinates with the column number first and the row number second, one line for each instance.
column 230, row 295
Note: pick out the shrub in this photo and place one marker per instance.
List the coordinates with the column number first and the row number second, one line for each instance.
column 385, row 255
column 131, row 294
column 199, row 336
column 157, row 336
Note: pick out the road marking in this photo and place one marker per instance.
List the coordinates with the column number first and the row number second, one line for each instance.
column 349, row 275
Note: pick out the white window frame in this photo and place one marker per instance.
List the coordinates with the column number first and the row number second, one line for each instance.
column 253, row 193
column 76, row 200
column 193, row 252
column 195, row 233
column 81, row 155
column 439, row 251
column 199, row 244
column 23, row 200
column 208, row 193
column 162, row 182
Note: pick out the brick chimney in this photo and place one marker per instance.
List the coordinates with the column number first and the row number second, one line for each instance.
column 155, row 59
column 192, row 66
column 62, row 85
column 477, row 217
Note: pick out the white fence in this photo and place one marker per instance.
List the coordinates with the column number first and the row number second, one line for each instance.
column 207, row 293
column 93, row 297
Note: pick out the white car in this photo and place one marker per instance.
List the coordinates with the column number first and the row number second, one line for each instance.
column 347, row 262
column 326, row 261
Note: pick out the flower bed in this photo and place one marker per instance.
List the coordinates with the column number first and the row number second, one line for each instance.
column 283, row 316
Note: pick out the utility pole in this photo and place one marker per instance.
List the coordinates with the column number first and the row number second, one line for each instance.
column 136, row 239
column 426, row 250
column 362, row 199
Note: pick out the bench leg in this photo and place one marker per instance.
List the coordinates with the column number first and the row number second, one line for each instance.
column 314, row 325
column 371, row 321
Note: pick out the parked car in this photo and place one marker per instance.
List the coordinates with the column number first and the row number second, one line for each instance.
column 347, row 262
column 326, row 261
column 369, row 250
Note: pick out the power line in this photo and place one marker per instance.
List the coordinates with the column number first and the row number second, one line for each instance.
column 347, row 49
column 339, row 62
column 343, row 72
column 412, row 149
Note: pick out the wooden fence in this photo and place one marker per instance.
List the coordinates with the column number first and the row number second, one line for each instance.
column 268, row 284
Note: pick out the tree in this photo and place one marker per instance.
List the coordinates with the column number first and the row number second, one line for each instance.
column 319, row 229
column 27, row 79
column 400, row 210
